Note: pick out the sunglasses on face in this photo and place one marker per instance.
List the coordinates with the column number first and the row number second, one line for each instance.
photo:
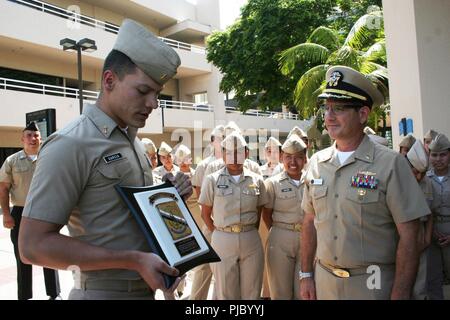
column 338, row 109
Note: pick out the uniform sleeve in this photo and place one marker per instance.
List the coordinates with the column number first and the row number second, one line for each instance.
column 207, row 194
column 270, row 194
column 61, row 173
column 307, row 205
column 262, row 199
column 404, row 197
column 6, row 171
column 197, row 178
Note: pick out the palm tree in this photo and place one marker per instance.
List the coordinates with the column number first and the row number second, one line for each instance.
column 364, row 50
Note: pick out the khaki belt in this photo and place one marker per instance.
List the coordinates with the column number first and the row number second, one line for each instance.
column 115, row 285
column 237, row 228
column 440, row 218
column 342, row 272
column 288, row 226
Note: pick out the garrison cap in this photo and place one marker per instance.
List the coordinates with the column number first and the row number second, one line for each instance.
column 183, row 154
column 32, row 126
column 218, row 131
column 298, row 131
column 231, row 127
column 407, row 141
column 234, row 141
column 293, row 145
column 431, row 134
column 344, row 83
column 272, row 143
column 368, row 130
column 418, row 157
column 155, row 58
column 149, row 145
column 440, row 143
column 164, row 149
column 378, row 139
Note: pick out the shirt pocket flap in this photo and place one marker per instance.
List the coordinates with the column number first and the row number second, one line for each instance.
column 115, row 171
column 320, row 192
column 223, row 192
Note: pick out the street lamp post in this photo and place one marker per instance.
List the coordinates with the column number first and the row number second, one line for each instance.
column 85, row 44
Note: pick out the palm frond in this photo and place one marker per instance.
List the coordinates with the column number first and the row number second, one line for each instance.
column 346, row 56
column 377, row 52
column 305, row 94
column 302, row 53
column 365, row 30
column 326, row 37
column 369, row 67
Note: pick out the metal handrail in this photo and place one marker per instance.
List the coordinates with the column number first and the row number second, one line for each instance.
column 171, row 104
column 76, row 17
column 267, row 114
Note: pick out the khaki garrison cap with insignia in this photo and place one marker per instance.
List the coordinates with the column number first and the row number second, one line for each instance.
column 431, row 134
column 440, row 143
column 272, row 143
column 378, row 139
column 164, row 149
column 149, row 145
column 407, row 142
column 234, row 141
column 418, row 157
column 155, row 58
column 183, row 155
column 293, row 145
column 368, row 130
column 298, row 131
column 344, row 83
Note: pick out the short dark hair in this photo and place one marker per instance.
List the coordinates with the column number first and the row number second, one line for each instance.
column 119, row 63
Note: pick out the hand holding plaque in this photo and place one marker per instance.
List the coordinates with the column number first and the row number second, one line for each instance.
column 168, row 226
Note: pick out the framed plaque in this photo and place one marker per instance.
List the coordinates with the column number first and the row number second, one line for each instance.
column 168, row 226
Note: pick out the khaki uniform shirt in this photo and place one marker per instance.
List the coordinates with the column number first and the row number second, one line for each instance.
column 77, row 169
column 356, row 226
column 197, row 178
column 284, row 198
column 441, row 191
column 233, row 202
column 18, row 170
column 219, row 164
column 160, row 171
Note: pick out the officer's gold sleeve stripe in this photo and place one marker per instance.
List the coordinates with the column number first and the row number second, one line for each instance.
column 351, row 94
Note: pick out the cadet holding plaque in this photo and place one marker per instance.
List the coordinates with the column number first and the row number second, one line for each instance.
column 79, row 167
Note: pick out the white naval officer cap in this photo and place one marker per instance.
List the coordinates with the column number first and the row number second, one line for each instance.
column 418, row 157
column 155, row 58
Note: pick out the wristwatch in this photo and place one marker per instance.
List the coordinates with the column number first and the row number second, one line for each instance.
column 303, row 275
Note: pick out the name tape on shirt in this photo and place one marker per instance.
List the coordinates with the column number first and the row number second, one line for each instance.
column 317, row 182
column 112, row 157
column 286, row 190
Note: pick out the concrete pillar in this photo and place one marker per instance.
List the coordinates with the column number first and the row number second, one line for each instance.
column 418, row 52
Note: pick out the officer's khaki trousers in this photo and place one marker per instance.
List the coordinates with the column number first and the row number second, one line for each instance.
column 80, row 294
column 330, row 287
column 420, row 290
column 202, row 275
column 264, row 234
column 239, row 274
column 283, row 263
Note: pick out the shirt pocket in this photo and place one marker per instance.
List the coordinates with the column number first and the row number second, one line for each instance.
column 286, row 201
column 112, row 172
column 224, row 192
column 20, row 169
column 319, row 199
column 363, row 196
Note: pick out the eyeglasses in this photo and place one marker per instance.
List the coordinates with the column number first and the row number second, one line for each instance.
column 337, row 109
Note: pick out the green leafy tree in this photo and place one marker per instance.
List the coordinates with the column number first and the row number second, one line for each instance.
column 364, row 49
column 247, row 52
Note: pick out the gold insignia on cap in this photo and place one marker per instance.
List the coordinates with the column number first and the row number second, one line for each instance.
column 163, row 76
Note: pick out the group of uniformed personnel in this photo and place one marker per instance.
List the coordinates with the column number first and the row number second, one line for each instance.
column 351, row 222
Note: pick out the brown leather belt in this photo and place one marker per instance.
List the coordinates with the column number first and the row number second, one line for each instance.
column 342, row 272
column 288, row 226
column 115, row 285
column 237, row 228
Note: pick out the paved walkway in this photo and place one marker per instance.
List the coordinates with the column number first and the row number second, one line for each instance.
column 8, row 284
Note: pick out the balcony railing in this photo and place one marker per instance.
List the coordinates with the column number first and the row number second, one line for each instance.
column 75, row 17
column 267, row 114
column 47, row 89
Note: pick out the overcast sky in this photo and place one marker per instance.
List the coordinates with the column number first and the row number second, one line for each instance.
column 229, row 9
